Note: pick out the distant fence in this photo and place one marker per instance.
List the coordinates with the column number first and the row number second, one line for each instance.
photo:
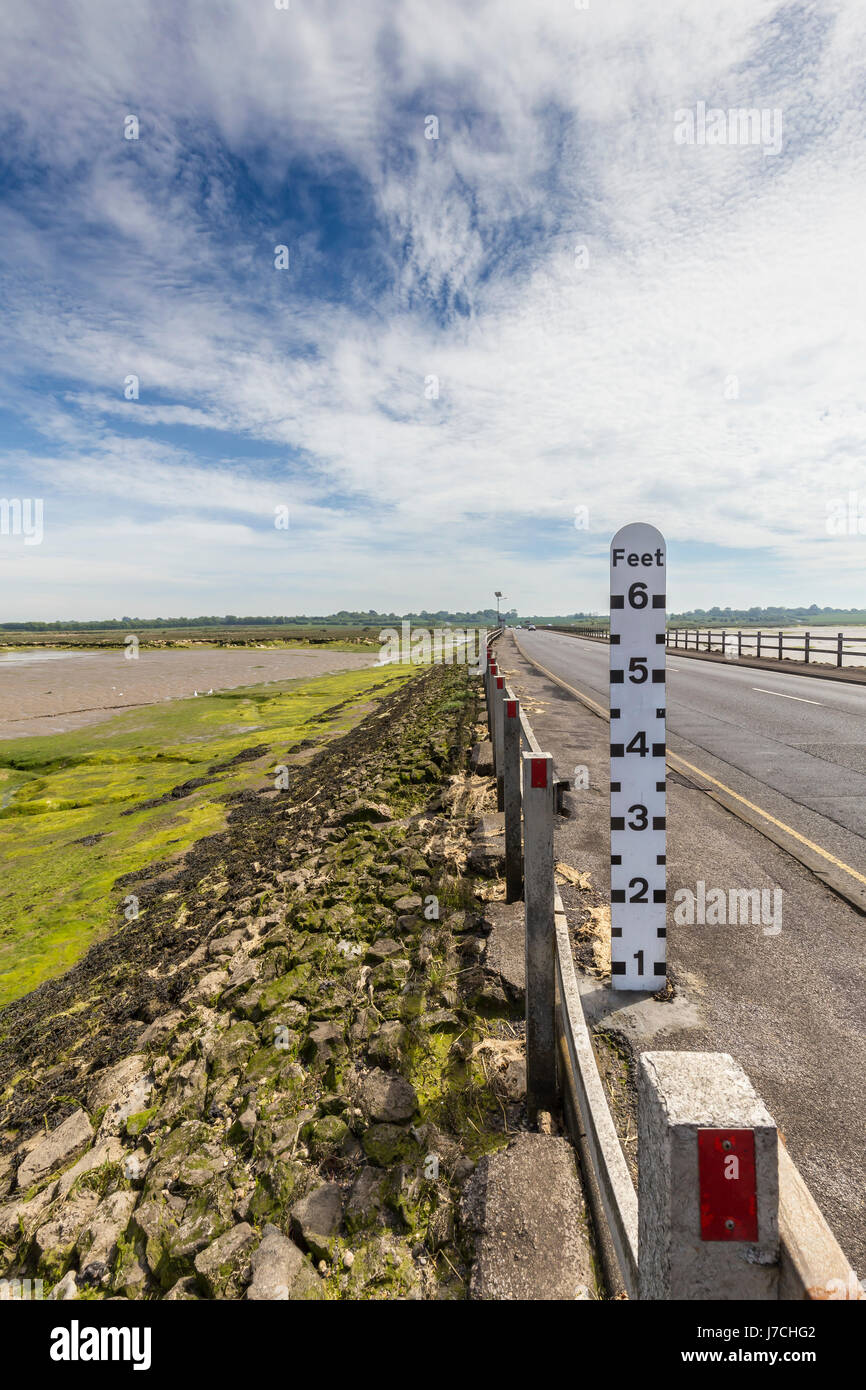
column 817, row 648
column 825, row 648
column 689, row 1233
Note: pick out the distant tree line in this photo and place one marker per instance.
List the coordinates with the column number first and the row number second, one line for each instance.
column 771, row 615
column 483, row 617
column 345, row 618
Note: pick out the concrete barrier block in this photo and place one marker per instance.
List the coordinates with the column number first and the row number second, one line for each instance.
column 691, row 1208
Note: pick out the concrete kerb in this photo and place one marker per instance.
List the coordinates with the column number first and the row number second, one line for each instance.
column 612, row 1193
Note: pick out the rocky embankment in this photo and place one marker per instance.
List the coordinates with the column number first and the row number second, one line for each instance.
column 275, row 1081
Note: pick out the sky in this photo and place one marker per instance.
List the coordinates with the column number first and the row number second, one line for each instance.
column 535, row 284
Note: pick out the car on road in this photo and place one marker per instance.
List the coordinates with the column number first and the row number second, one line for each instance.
column 531, row 627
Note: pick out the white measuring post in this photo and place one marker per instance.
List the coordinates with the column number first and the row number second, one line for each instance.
column 638, row 893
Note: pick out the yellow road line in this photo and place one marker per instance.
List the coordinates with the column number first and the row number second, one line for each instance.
column 795, row 834
column 825, row 854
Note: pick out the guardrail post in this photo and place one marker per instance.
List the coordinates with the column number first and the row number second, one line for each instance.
column 541, row 1087
column 758, row 652
column 511, row 772
column 739, row 644
column 806, row 648
column 839, row 637
column 780, row 646
column 498, row 739
column 708, row 1181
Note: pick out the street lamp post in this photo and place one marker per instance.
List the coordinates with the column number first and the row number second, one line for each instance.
column 499, row 595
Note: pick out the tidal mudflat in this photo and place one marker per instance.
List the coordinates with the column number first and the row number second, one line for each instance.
column 49, row 691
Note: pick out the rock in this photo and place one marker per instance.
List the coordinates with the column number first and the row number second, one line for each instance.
column 511, row 1081
column 409, row 903
column 370, row 811
column 280, row 1271
column 184, row 1290
column 112, row 1082
column 386, row 1097
column 160, row 1028
column 62, row 1144
column 223, row 1265
column 54, row 1242
column 130, row 1098
column 327, row 1137
column 388, row 1043
column 481, row 759
column 106, row 1151
column 440, row 1020
column 383, row 947
column 221, row 946
column 23, row 1216
column 323, row 1041
column 233, row 1049
column 97, row 1243
column 66, row 1288
column 316, row 1219
column 208, row 987
column 386, row 1144
column 366, row 1200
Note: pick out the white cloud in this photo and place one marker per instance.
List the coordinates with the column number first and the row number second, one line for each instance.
column 559, row 385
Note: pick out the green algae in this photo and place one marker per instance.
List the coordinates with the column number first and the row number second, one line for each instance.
column 74, row 815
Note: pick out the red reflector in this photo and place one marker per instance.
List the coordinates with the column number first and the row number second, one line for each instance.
column 539, row 773
column 500, row 682
column 727, row 1183
column 511, row 709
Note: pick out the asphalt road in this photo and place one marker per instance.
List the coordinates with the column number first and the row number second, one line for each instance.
column 794, row 745
column 789, row 1007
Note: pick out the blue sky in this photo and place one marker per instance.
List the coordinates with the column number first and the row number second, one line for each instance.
column 442, row 375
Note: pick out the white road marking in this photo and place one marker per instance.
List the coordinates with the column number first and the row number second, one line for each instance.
column 798, row 698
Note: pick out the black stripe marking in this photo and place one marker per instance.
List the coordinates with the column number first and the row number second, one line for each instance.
column 617, row 895
column 616, row 931
column 614, row 714
column 659, row 677
column 614, row 639
column 660, row 968
column 662, row 931
column 659, row 895
column 659, row 823
column 617, row 967
column 617, row 750
column 616, row 786
column 659, row 600
column 617, row 600
column 661, row 858
column 616, row 677
column 616, row 859
column 660, row 714
column 660, row 786
column 617, row 822
column 660, row 639
column 658, row 750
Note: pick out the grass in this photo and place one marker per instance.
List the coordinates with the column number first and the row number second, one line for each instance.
column 57, row 895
